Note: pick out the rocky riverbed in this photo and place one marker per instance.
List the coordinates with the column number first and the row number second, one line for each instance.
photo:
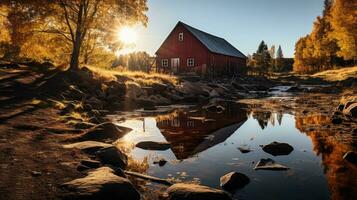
column 165, row 137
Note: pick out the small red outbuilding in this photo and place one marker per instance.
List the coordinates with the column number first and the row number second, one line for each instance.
column 188, row 49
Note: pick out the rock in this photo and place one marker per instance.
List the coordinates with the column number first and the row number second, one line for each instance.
column 336, row 120
column 269, row 164
column 351, row 157
column 214, row 108
column 160, row 162
column 233, row 180
column 295, row 89
column 351, row 110
column 36, row 173
column 115, row 90
column 159, row 87
column 104, row 131
column 185, row 191
column 101, row 183
column 239, row 87
column 113, row 156
column 82, row 168
column 213, row 94
column 84, row 125
column 277, row 148
column 91, row 163
column 95, row 103
column 133, row 90
column 244, row 149
column 88, row 146
column 151, row 145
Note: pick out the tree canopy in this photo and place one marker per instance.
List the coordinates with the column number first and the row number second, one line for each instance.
column 333, row 40
column 67, row 30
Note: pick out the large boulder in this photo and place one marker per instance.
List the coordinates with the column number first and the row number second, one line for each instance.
column 116, row 89
column 152, row 145
column 101, row 183
column 269, row 164
column 133, row 90
column 233, row 180
column 113, row 156
column 87, row 146
column 105, row 131
column 159, row 87
column 277, row 148
column 184, row 191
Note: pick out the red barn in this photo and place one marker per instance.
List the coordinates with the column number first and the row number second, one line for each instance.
column 188, row 49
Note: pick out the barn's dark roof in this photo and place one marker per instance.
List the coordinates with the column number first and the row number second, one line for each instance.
column 213, row 43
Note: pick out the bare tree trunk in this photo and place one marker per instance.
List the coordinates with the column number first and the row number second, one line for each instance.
column 74, row 65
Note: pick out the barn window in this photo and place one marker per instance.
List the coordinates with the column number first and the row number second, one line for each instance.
column 164, row 62
column 180, row 36
column 190, row 62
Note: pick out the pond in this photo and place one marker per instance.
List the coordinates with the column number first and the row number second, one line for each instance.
column 205, row 146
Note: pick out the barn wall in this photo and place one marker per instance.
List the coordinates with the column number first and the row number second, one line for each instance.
column 206, row 62
column 190, row 47
column 226, row 65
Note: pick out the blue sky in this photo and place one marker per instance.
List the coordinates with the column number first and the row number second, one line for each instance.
column 244, row 23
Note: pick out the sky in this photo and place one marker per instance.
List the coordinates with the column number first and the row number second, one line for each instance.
column 243, row 23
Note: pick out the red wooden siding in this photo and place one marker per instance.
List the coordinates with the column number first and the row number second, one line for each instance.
column 191, row 47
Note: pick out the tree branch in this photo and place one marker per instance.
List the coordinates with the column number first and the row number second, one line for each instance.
column 63, row 5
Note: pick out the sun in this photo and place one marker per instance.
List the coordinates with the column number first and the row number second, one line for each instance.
column 127, row 35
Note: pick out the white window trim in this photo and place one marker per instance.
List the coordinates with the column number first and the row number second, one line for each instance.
column 165, row 62
column 180, row 36
column 190, row 62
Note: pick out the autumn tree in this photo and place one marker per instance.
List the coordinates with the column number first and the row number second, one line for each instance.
column 332, row 41
column 344, row 27
column 135, row 61
column 262, row 57
column 77, row 27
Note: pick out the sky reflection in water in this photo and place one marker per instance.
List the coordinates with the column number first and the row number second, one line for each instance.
column 205, row 147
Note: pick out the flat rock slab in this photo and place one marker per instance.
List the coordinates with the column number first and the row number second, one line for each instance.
column 151, row 145
column 233, row 180
column 87, row 146
column 101, row 183
column 105, row 131
column 184, row 191
column 269, row 164
column 278, row 149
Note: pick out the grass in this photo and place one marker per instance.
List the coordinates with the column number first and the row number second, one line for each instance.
column 337, row 74
column 139, row 77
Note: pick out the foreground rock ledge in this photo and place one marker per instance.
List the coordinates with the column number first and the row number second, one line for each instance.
column 101, row 183
column 184, row 191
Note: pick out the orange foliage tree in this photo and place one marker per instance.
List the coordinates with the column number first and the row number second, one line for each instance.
column 69, row 29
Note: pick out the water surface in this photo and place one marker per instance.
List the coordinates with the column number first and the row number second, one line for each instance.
column 205, row 147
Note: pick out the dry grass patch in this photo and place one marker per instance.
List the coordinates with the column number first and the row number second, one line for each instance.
column 337, row 74
column 139, row 77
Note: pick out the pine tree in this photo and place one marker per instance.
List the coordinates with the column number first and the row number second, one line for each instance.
column 279, row 60
column 262, row 58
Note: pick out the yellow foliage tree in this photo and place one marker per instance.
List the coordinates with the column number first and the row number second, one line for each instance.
column 344, row 25
column 64, row 28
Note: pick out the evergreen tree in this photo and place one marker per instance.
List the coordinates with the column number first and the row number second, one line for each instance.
column 262, row 58
column 279, row 61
